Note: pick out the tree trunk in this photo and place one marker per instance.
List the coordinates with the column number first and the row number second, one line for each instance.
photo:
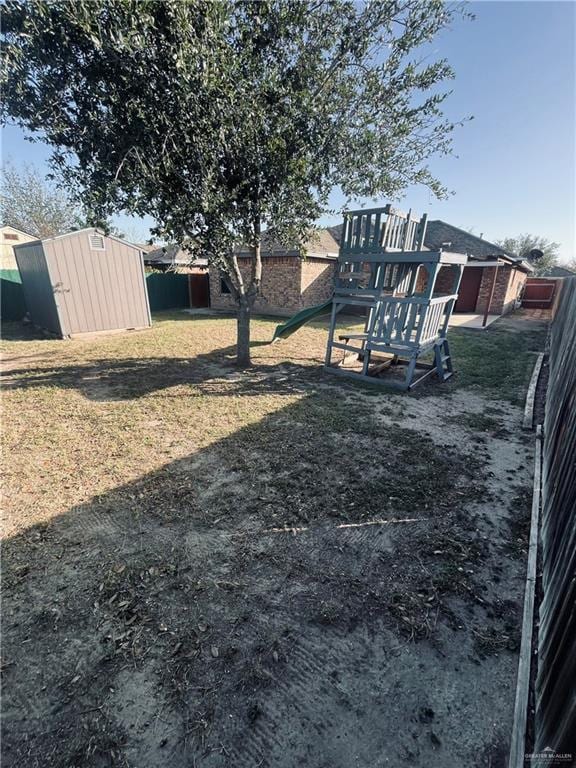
column 243, row 343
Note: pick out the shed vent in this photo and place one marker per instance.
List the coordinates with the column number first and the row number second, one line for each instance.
column 96, row 242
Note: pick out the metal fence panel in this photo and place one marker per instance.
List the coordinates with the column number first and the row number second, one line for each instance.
column 167, row 291
column 12, row 301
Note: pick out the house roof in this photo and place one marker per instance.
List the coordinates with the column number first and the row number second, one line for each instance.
column 320, row 244
column 146, row 247
column 15, row 229
column 440, row 234
column 558, row 272
column 173, row 256
column 443, row 236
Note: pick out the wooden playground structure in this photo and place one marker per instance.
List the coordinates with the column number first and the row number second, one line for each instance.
column 384, row 272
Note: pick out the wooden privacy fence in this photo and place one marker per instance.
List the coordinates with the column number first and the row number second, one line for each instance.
column 539, row 293
column 555, row 722
column 165, row 291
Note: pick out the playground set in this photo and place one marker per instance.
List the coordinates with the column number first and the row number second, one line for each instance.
column 385, row 274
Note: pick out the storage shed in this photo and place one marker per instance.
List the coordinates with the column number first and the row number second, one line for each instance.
column 84, row 282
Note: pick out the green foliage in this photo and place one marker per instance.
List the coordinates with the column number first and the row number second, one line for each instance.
column 38, row 207
column 523, row 244
column 221, row 119
column 30, row 203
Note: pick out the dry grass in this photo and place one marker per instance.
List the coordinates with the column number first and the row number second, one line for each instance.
column 83, row 417
column 188, row 544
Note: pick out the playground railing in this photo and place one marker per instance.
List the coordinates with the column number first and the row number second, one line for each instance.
column 409, row 322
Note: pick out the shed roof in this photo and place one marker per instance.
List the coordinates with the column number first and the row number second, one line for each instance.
column 74, row 232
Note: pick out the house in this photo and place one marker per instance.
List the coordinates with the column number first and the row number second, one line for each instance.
column 493, row 280
column 292, row 279
column 83, row 282
column 174, row 258
column 9, row 237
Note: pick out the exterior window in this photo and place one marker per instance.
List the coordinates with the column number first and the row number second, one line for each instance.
column 97, row 243
column 224, row 286
column 11, row 237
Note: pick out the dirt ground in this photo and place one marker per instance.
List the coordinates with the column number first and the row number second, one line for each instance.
column 206, row 567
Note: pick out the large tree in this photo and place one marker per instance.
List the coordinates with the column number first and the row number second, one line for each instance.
column 524, row 246
column 222, row 119
column 34, row 205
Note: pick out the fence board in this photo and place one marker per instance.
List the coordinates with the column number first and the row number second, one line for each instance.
column 555, row 722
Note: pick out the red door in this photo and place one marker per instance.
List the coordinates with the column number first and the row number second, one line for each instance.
column 469, row 287
column 199, row 290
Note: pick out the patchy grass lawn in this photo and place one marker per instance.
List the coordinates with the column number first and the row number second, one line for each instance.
column 275, row 567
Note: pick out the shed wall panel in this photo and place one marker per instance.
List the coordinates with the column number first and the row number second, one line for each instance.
column 97, row 290
column 37, row 285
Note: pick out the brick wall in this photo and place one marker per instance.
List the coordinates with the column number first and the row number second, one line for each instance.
column 288, row 284
column 508, row 283
column 444, row 281
column 317, row 281
column 515, row 288
column 280, row 289
column 486, row 287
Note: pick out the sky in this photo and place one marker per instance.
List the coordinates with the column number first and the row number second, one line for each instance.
column 514, row 165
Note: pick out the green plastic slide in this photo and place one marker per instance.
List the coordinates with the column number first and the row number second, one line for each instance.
column 296, row 322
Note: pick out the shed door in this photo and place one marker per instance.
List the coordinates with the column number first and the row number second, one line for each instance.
column 469, row 287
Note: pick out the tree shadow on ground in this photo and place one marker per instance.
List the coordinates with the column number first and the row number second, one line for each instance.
column 214, row 373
